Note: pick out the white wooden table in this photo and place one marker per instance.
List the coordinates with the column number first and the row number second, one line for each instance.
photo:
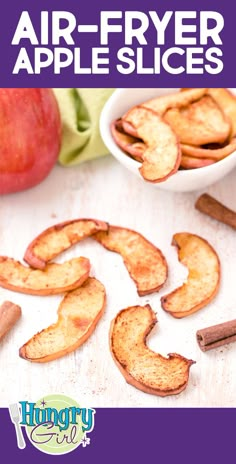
column 104, row 189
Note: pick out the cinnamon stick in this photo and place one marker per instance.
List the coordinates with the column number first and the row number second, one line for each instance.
column 216, row 335
column 213, row 208
column 9, row 315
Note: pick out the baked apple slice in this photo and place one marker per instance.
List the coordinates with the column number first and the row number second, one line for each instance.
column 226, row 101
column 59, row 238
column 55, row 278
column 131, row 145
column 203, row 279
column 174, row 100
column 161, row 156
column 145, row 263
column 78, row 315
column 215, row 153
column 141, row 367
column 199, row 123
column 187, row 162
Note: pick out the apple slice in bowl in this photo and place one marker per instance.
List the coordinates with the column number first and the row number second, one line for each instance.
column 121, row 101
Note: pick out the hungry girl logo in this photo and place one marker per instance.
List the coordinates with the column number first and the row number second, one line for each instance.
column 55, row 424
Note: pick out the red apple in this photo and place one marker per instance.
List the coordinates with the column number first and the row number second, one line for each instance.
column 30, row 136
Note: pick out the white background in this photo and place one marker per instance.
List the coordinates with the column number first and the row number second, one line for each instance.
column 105, row 190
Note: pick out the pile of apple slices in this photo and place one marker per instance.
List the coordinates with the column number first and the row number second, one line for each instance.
column 184, row 130
column 85, row 299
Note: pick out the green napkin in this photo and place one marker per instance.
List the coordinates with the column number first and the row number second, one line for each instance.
column 80, row 111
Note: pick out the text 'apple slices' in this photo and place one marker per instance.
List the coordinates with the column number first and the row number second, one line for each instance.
column 203, row 279
column 143, row 368
column 145, row 263
column 54, row 279
column 59, row 238
column 162, row 154
column 78, row 314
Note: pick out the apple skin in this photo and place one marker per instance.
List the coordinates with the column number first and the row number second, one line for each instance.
column 30, row 137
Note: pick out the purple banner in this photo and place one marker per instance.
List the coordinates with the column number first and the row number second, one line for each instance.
column 142, row 435
column 54, row 44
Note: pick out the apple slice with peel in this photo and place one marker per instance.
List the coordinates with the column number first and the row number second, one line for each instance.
column 54, row 279
column 145, row 263
column 143, row 368
column 199, row 123
column 187, row 162
column 203, row 279
column 162, row 154
column 227, row 102
column 174, row 100
column 131, row 145
column 215, row 153
column 78, row 315
column 59, row 238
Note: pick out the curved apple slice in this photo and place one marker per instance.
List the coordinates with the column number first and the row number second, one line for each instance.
column 131, row 145
column 161, row 156
column 54, row 279
column 203, row 279
column 187, row 162
column 215, row 154
column 200, row 123
column 143, row 368
column 227, row 102
column 174, row 100
column 145, row 263
column 78, row 315
column 59, row 238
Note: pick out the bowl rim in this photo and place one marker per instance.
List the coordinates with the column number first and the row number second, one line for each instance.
column 118, row 153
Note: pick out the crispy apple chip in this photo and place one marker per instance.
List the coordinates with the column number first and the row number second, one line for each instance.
column 161, row 157
column 59, row 238
column 188, row 162
column 55, row 278
column 141, row 367
column 78, row 315
column 199, row 123
column 227, row 102
column 215, row 153
column 203, row 279
column 131, row 145
column 145, row 263
column 174, row 100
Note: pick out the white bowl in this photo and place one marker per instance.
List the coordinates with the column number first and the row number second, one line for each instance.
column 182, row 181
